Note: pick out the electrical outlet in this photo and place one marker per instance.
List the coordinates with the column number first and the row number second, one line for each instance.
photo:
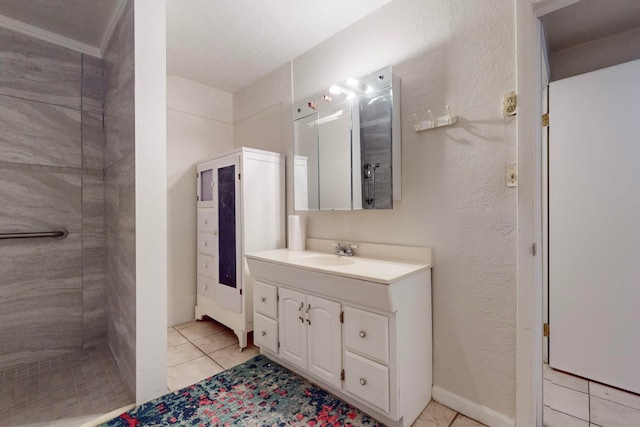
column 509, row 104
column 511, row 176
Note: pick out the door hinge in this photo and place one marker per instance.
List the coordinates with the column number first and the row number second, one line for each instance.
column 342, row 317
column 342, row 375
column 240, row 291
column 197, row 198
column 534, row 249
column 238, row 176
column 278, row 345
column 545, row 330
column 545, row 120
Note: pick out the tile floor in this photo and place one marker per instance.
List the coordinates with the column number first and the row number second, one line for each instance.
column 571, row 401
column 197, row 350
column 68, row 390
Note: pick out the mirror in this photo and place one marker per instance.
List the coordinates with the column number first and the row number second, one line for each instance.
column 346, row 147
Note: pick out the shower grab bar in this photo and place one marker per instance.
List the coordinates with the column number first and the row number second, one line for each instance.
column 57, row 234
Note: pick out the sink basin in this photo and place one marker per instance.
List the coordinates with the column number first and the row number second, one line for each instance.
column 326, row 260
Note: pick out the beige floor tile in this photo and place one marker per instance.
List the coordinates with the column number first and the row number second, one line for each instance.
column 615, row 395
column 184, row 325
column 170, row 329
column 182, row 353
column 462, row 421
column 217, row 340
column 566, row 400
column 230, row 356
column 191, row 372
column 174, row 338
column 436, row 415
column 565, row 380
column 610, row 414
column 201, row 329
column 553, row 418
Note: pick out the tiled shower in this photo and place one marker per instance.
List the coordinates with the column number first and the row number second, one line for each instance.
column 67, row 162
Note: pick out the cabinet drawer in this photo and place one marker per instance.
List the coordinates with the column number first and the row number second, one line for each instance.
column 207, row 266
column 265, row 299
column 207, row 243
column 367, row 333
column 265, row 332
column 206, row 287
column 367, row 379
column 207, row 220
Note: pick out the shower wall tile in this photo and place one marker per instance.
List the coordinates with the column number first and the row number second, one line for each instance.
column 119, row 90
column 92, row 86
column 93, row 257
column 36, row 133
column 39, row 201
column 92, row 140
column 40, row 290
column 40, row 71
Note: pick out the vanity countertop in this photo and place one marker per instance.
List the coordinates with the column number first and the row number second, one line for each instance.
column 356, row 267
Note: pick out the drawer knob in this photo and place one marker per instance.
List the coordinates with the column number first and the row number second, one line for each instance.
column 205, row 243
column 206, row 221
column 263, row 333
column 206, row 265
column 362, row 334
column 363, row 381
column 262, row 299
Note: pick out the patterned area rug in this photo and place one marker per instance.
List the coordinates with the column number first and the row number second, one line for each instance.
column 258, row 393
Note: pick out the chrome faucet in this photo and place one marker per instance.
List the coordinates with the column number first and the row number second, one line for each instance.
column 344, row 250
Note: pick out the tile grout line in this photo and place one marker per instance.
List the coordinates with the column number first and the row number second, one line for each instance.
column 589, row 400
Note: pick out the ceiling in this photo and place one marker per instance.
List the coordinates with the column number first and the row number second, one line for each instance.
column 589, row 20
column 226, row 44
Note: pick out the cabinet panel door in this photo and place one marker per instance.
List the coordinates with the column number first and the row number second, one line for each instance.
column 293, row 328
column 324, row 339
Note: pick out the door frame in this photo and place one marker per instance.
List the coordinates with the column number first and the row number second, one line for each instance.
column 529, row 336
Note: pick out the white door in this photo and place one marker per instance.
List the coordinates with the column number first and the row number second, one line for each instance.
column 594, row 225
column 292, row 327
column 226, row 193
column 324, row 339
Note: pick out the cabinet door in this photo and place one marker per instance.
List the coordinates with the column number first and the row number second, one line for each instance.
column 227, row 194
column 205, row 185
column 324, row 339
column 292, row 326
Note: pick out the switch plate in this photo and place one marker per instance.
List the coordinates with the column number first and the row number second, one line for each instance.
column 509, row 104
column 511, row 176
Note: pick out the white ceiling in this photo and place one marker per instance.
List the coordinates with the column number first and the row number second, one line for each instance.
column 226, row 44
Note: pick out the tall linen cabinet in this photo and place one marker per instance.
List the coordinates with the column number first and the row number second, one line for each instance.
column 241, row 208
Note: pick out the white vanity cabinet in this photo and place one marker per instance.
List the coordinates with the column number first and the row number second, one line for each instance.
column 360, row 328
column 241, row 208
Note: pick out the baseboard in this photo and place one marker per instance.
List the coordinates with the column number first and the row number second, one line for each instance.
column 471, row 409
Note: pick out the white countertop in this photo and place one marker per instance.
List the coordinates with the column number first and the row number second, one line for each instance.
column 373, row 270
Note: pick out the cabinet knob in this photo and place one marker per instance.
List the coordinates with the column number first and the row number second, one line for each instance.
column 263, row 333
column 206, row 221
column 362, row 334
column 205, row 243
column 363, row 381
column 215, row 233
column 262, row 299
column 205, row 265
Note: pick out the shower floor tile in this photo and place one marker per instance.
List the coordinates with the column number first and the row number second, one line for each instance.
column 66, row 390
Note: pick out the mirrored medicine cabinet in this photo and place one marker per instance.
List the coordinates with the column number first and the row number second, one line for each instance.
column 347, row 145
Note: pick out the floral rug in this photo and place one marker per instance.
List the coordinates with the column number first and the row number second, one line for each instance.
column 258, row 393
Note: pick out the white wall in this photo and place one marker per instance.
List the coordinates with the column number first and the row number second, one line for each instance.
column 199, row 127
column 454, row 198
column 151, row 198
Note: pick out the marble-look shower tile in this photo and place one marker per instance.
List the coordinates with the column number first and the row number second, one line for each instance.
column 92, row 86
column 94, row 318
column 39, row 201
column 93, row 206
column 36, row 133
column 34, row 69
column 93, row 140
column 40, row 289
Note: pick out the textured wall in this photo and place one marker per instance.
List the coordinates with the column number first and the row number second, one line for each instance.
column 51, row 147
column 454, row 198
column 119, row 196
column 199, row 128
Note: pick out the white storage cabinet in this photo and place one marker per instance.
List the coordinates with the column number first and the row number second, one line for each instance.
column 241, row 208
